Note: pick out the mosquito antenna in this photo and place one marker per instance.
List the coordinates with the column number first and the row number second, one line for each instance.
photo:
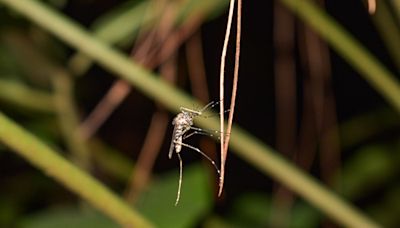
column 215, row 114
column 199, row 131
column 178, row 194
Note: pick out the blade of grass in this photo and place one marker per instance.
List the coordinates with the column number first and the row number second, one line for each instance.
column 51, row 163
column 382, row 80
column 390, row 32
column 18, row 94
column 123, row 23
column 396, row 7
column 68, row 118
column 115, row 27
column 246, row 146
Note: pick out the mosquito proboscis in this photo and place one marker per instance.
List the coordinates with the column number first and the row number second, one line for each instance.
column 183, row 123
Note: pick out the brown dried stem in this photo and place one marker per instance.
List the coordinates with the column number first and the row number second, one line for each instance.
column 196, row 69
column 225, row 143
column 151, row 53
column 371, row 6
column 285, row 100
column 158, row 126
column 113, row 98
column 147, row 156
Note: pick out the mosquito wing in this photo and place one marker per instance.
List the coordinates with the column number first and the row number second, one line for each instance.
column 172, row 145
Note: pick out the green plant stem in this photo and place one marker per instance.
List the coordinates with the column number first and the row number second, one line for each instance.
column 245, row 146
column 110, row 31
column 68, row 119
column 123, row 24
column 266, row 160
column 390, row 32
column 16, row 93
column 396, row 8
column 382, row 80
column 48, row 160
column 114, row 163
column 360, row 128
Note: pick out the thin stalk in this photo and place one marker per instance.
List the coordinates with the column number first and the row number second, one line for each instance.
column 396, row 7
column 113, row 162
column 196, row 67
column 385, row 22
column 222, row 95
column 286, row 108
column 371, row 6
column 20, row 95
column 50, row 162
column 68, row 118
column 109, row 30
column 140, row 15
column 369, row 67
column 255, row 152
column 104, row 108
column 233, row 95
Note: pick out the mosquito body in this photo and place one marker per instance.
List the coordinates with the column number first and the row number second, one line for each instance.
column 182, row 124
column 183, row 129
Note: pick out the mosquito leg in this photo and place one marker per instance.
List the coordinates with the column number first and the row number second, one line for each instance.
column 191, row 134
column 201, row 152
column 205, row 132
column 200, row 131
column 209, row 105
column 178, row 195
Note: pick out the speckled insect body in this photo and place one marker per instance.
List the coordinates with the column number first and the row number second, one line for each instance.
column 183, row 123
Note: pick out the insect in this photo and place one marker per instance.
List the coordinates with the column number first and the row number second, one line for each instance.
column 183, row 123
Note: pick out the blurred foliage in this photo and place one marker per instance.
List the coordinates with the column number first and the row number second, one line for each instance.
column 28, row 59
column 195, row 204
column 254, row 210
column 359, row 179
column 66, row 217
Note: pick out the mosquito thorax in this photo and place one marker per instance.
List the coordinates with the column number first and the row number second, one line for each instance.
column 183, row 119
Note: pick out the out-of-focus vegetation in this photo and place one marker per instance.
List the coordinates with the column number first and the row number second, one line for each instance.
column 62, row 110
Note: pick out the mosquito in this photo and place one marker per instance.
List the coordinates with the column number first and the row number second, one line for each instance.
column 183, row 123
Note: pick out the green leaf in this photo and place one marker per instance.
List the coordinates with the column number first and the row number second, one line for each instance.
column 66, row 218
column 389, row 217
column 158, row 204
column 254, row 210
column 123, row 22
column 304, row 215
column 366, row 170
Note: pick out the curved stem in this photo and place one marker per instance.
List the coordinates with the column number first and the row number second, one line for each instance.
column 222, row 95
